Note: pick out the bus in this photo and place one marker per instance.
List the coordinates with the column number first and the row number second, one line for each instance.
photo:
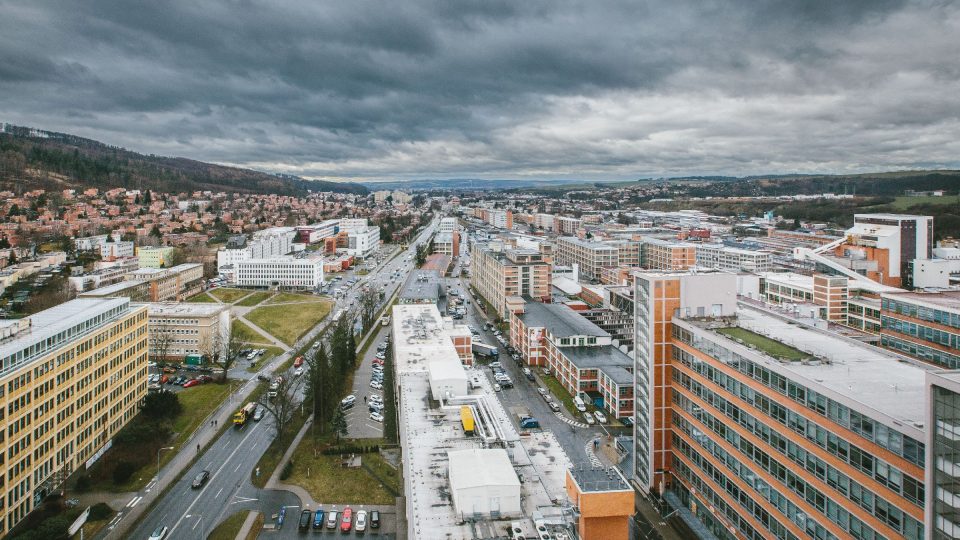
column 466, row 418
column 240, row 417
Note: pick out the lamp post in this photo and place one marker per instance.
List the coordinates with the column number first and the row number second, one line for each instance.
column 158, row 459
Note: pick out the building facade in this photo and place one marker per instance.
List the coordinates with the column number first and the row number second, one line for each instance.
column 71, row 377
column 180, row 329
column 497, row 274
column 284, row 272
column 154, row 257
column 590, row 257
column 668, row 255
column 721, row 257
column 943, row 456
column 925, row 326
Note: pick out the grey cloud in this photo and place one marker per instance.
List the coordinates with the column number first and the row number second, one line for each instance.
column 498, row 88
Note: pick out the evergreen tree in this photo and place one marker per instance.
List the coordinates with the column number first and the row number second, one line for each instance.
column 339, row 424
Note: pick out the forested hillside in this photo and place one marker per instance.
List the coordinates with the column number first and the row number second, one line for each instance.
column 31, row 159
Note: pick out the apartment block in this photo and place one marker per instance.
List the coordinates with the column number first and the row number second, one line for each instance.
column 721, row 257
column 155, row 284
column 566, row 226
column 72, row 376
column 668, row 255
column 925, row 326
column 498, row 274
column 180, row 329
column 447, row 239
column 758, row 427
column 590, row 257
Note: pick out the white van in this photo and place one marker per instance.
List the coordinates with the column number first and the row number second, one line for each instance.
column 579, row 404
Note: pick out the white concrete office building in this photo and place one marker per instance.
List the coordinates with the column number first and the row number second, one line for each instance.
column 284, row 272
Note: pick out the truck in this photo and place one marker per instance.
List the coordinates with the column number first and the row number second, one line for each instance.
column 524, row 418
column 466, row 419
column 240, row 417
column 482, row 349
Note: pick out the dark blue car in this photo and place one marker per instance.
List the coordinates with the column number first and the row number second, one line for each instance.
column 318, row 519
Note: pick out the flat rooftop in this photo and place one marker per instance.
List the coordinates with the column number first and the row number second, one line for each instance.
column 107, row 290
column 859, row 375
column 789, row 278
column 598, row 356
column 941, row 299
column 419, row 337
column 560, row 320
column 593, row 479
column 198, row 309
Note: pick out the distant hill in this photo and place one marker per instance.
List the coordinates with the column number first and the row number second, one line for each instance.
column 466, row 184
column 32, row 158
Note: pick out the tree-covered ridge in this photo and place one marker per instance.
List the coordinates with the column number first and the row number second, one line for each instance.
column 32, row 159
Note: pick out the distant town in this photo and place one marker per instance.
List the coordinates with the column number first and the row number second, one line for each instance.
column 476, row 364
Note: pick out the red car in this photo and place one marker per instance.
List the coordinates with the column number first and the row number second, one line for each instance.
column 298, row 362
column 164, row 379
column 191, row 382
column 346, row 522
column 204, row 379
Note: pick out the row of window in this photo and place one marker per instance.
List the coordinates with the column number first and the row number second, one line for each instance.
column 933, row 335
column 935, row 356
column 945, row 318
column 886, row 437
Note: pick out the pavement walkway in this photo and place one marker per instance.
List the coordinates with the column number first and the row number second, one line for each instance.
column 306, row 500
column 247, row 525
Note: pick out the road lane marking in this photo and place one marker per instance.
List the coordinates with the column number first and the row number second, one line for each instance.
column 217, row 496
column 214, row 475
column 133, row 502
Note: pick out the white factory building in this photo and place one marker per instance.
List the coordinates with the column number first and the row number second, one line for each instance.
column 483, row 483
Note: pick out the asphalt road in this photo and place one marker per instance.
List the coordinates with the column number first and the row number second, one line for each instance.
column 193, row 513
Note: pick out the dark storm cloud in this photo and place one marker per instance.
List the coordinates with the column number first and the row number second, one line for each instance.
column 495, row 88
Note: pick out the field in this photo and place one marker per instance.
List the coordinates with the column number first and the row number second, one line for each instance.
column 903, row 203
column 228, row 296
column 246, row 334
column 292, row 297
column 229, row 528
column 254, row 299
column 328, row 481
column 202, row 298
column 287, row 324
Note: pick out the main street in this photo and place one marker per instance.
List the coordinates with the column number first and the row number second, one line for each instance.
column 232, row 457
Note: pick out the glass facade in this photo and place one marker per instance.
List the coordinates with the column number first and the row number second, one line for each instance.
column 946, row 458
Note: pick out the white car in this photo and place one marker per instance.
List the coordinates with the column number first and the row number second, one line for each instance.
column 159, row 533
column 298, row 372
column 589, row 418
column 360, row 524
column 376, row 385
column 376, row 417
column 496, row 387
column 600, row 417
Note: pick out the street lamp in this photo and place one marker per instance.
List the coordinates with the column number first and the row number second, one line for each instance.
column 158, row 459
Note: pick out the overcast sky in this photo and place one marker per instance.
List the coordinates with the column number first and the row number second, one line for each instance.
column 489, row 89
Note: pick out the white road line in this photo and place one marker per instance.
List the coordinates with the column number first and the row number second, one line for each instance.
column 217, row 496
column 238, row 467
column 199, row 519
column 214, row 475
column 133, row 502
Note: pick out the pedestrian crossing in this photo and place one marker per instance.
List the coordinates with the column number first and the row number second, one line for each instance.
column 570, row 421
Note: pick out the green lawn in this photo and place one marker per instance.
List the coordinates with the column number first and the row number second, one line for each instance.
column 269, row 460
column 228, row 296
column 201, row 298
column 772, row 347
column 903, row 203
column 197, row 403
column 230, row 527
column 244, row 333
column 293, row 297
column 328, row 481
column 288, row 324
column 560, row 393
column 254, row 299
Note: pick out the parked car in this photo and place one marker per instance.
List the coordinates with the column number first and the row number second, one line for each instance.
column 600, row 417
column 200, row 479
column 543, row 391
column 346, row 522
column 376, row 385
column 496, row 387
column 191, row 383
column 376, row 417
column 306, row 517
column 332, row 519
column 374, row 519
column 164, row 379
column 318, row 519
column 589, row 418
column 554, row 406
column 348, row 401
column 298, row 372
column 361, row 522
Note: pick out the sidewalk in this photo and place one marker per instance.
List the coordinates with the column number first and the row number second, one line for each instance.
column 306, row 501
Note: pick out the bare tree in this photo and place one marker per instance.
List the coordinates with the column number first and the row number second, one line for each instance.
column 369, row 300
column 161, row 340
column 223, row 348
column 281, row 402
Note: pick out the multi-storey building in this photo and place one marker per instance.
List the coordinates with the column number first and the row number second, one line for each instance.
column 498, row 274
column 721, row 257
column 882, row 246
column 580, row 354
column 181, row 329
column 943, row 446
column 283, row 272
column 447, row 239
column 922, row 325
column 154, row 257
column 566, row 226
column 590, row 257
column 70, row 378
column 266, row 244
column 667, row 255
column 763, row 428
column 155, row 284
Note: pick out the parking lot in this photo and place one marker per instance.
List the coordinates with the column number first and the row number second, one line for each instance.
column 359, row 423
column 387, row 529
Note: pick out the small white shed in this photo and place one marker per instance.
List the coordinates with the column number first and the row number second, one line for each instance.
column 483, row 483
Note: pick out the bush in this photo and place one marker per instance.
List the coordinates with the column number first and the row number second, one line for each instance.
column 83, row 483
column 100, row 511
column 123, row 471
column 350, row 449
column 287, row 470
column 163, row 404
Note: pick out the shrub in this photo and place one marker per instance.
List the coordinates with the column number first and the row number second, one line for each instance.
column 163, row 404
column 100, row 511
column 83, row 483
column 123, row 471
column 287, row 470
